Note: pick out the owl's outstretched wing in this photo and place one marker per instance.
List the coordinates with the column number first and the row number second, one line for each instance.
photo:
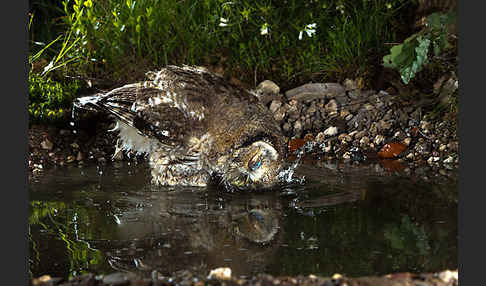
column 148, row 110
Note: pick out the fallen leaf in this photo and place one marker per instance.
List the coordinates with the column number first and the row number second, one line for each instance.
column 391, row 150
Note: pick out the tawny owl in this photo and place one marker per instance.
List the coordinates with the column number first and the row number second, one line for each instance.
column 194, row 126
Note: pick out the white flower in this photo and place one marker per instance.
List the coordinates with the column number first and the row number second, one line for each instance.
column 223, row 22
column 309, row 30
column 264, row 29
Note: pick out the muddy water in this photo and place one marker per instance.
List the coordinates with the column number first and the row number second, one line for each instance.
column 344, row 219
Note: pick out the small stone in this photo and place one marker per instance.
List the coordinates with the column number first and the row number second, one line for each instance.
column 297, row 126
column 116, row 278
column 433, row 159
column 101, row 160
column 331, row 107
column 449, row 160
column 379, row 139
column 364, row 140
column 331, row 131
column 349, row 84
column 360, row 134
column 268, row 87
column 353, row 133
column 454, row 146
column 286, row 127
column 74, row 145
column 407, row 141
column 46, row 144
column 223, row 273
column 279, row 115
column 410, row 156
column 346, row 156
column 70, row 159
column 345, row 137
column 349, row 117
column 275, row 105
column 320, row 137
column 442, row 147
column 79, row 157
column 64, row 132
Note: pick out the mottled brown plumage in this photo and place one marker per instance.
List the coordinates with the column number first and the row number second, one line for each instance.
column 195, row 126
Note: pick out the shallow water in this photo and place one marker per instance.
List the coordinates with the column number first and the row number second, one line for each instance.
column 344, row 219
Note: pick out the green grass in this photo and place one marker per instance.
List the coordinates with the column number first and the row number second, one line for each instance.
column 121, row 40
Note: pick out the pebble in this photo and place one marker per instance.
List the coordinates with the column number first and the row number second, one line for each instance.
column 275, row 105
column 268, row 87
column 379, row 139
column 223, row 273
column 331, row 131
column 116, row 278
column 46, row 144
column 364, row 141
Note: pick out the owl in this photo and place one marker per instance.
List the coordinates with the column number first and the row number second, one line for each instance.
column 195, row 128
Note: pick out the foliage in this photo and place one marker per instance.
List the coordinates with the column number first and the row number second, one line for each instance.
column 410, row 56
column 48, row 99
column 287, row 41
column 56, row 219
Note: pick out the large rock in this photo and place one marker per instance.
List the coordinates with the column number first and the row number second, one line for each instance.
column 313, row 91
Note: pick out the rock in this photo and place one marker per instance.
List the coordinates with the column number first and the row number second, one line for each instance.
column 297, row 127
column 116, row 278
column 360, row 134
column 275, row 105
column 70, row 159
column 345, row 137
column 364, row 141
column 74, row 145
column 407, row 141
column 320, row 137
column 422, row 147
column 268, row 87
column 350, row 84
column 313, row 91
column 384, row 126
column 79, row 157
column 286, row 127
column 379, row 139
column 442, row 147
column 223, row 273
column 449, row 160
column 64, row 132
column 46, row 144
column 280, row 114
column 331, row 131
column 331, row 107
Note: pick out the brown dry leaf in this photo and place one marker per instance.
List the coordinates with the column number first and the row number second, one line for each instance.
column 391, row 150
column 295, row 144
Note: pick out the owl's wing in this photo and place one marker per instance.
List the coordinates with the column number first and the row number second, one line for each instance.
column 150, row 110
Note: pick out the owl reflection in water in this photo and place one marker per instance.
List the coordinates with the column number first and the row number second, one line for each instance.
column 195, row 128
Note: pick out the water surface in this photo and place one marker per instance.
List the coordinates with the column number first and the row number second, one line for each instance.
column 353, row 220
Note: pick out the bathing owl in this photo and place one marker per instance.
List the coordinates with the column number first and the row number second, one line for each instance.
column 194, row 126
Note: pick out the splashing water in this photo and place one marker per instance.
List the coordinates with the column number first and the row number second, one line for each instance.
column 287, row 175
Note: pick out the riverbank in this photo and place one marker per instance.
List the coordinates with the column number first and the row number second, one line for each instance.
column 345, row 123
column 444, row 278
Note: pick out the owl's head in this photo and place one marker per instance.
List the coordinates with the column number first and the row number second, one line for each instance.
column 254, row 166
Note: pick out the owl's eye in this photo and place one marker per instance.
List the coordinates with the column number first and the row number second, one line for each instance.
column 255, row 162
